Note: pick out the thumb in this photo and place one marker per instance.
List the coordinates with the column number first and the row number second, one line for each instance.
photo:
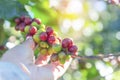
column 22, row 53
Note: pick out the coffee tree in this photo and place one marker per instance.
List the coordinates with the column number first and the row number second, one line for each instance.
column 92, row 25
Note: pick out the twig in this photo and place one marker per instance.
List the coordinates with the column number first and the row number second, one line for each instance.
column 99, row 57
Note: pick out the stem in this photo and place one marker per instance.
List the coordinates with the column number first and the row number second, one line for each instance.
column 99, row 57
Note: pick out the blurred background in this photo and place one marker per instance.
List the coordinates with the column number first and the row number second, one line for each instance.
column 94, row 26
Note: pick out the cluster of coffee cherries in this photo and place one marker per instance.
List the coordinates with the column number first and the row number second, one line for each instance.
column 46, row 39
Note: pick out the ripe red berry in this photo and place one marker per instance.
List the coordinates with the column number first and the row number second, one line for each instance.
column 22, row 18
column 67, row 42
column 38, row 21
column 2, row 47
column 17, row 21
column 49, row 30
column 51, row 39
column 73, row 49
column 21, row 26
column 43, row 36
column 33, row 30
column 28, row 20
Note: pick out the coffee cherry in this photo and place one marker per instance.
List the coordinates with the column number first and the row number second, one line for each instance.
column 42, row 26
column 38, row 21
column 62, row 55
column 54, row 58
column 73, row 49
column 62, row 61
column 36, row 38
column 50, row 50
column 22, row 18
column 43, row 36
column 32, row 30
column 68, row 57
column 44, row 44
column 57, row 48
column 2, row 47
column 27, row 21
column 21, row 26
column 43, row 51
column 17, row 21
column 40, row 30
column 49, row 30
column 26, row 29
column 51, row 39
column 34, row 24
column 67, row 42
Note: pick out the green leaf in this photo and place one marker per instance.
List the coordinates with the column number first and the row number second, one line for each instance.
column 11, row 8
column 23, row 1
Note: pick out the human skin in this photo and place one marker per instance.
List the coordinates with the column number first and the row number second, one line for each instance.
column 37, row 69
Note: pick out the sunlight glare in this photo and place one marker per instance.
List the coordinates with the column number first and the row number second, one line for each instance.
column 77, row 75
column 87, row 31
column 75, row 6
column 66, row 24
column 100, row 6
column 99, row 26
column 78, row 24
column 54, row 3
column 88, row 52
column 10, row 45
column 93, row 15
column 67, row 76
column 118, row 35
column 6, row 24
column 103, row 69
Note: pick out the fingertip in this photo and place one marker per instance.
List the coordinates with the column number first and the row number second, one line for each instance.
column 29, row 41
column 59, row 69
column 28, row 37
column 42, row 59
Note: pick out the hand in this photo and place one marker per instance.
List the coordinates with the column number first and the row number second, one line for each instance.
column 39, row 69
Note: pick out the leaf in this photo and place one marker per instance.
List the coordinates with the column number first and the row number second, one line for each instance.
column 23, row 1
column 11, row 8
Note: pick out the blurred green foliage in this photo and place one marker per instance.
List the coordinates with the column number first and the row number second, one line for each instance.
column 94, row 26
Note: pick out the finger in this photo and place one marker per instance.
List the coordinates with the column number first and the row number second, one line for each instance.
column 48, row 72
column 42, row 60
column 22, row 53
column 29, row 42
column 59, row 69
